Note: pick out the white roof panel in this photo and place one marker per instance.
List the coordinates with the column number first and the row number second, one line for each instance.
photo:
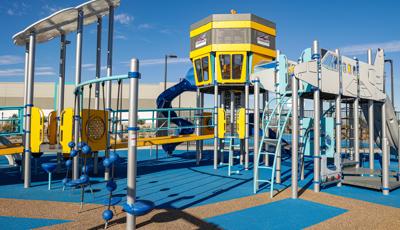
column 64, row 21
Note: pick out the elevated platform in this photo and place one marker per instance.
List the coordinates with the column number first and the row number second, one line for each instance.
column 366, row 178
column 149, row 141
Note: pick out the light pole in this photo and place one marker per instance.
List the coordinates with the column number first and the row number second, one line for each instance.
column 166, row 68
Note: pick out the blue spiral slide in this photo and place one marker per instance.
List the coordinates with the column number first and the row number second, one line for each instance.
column 164, row 100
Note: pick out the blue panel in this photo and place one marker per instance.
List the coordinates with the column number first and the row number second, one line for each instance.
column 282, row 74
column 327, row 136
column 283, row 214
column 306, row 56
column 16, row 223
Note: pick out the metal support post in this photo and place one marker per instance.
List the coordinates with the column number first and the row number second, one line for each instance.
column 26, row 73
column 264, row 104
column 256, row 128
column 246, row 140
column 197, row 129
column 295, row 136
column 28, row 109
column 385, row 153
column 215, row 125
column 222, row 104
column 132, row 140
column 371, row 124
column 317, row 126
column 78, row 72
column 61, row 87
column 109, row 83
column 301, row 139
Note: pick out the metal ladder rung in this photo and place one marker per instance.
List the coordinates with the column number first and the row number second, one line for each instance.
column 267, row 153
column 268, row 181
column 265, row 167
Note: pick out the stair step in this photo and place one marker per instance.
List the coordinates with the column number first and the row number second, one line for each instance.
column 264, row 167
column 271, row 140
column 267, row 153
column 268, row 181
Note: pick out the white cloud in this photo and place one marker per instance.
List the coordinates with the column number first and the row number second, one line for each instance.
column 388, row 47
column 145, row 26
column 161, row 61
column 124, row 19
column 120, row 37
column 10, row 12
column 49, row 9
column 16, row 72
column 10, row 59
column 92, row 67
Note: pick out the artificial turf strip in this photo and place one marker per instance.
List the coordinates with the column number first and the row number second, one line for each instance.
column 15, row 223
column 283, row 214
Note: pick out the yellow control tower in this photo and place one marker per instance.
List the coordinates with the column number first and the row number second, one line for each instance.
column 226, row 47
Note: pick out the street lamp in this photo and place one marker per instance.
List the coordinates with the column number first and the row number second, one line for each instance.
column 165, row 68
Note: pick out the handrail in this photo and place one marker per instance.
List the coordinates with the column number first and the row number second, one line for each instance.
column 102, row 79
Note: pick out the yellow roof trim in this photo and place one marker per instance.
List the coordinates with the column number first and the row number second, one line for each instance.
column 233, row 48
column 233, row 24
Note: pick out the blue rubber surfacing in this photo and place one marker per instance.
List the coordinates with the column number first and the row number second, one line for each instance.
column 16, row 223
column 283, row 214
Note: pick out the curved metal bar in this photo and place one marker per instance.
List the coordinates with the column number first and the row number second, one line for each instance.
column 102, row 79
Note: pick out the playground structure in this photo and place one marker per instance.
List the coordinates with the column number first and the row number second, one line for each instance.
column 234, row 57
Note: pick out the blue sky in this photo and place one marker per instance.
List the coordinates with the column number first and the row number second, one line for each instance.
column 150, row 29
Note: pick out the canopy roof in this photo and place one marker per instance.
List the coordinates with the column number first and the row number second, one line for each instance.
column 65, row 21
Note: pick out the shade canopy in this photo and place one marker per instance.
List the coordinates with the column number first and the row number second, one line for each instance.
column 65, row 21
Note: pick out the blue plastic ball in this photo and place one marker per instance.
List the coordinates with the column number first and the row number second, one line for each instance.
column 65, row 180
column 81, row 144
column 68, row 163
column 71, row 144
column 74, row 153
column 107, row 215
column 114, row 157
column 86, row 149
column 84, row 178
column 111, row 186
column 107, row 162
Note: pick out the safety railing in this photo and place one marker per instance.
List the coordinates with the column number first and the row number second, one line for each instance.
column 153, row 121
column 11, row 120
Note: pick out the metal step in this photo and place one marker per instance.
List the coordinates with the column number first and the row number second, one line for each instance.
column 264, row 167
column 267, row 153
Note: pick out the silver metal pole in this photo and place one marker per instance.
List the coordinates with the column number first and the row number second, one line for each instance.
column 201, row 123
column 28, row 108
column 295, row 136
column 256, row 129
column 301, row 137
column 371, row 121
column 385, row 154
column 232, row 113
column 197, row 121
column 109, row 83
column 25, row 99
column 61, row 87
column 390, row 61
column 97, row 90
column 317, row 116
column 246, row 140
column 215, row 125
column 132, row 140
column 222, row 104
column 78, row 72
column 263, row 103
column 98, row 61
column 356, row 121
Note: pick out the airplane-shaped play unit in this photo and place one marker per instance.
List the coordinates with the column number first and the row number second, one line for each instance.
column 327, row 77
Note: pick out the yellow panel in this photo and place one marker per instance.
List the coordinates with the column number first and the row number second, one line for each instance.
column 37, row 129
column 201, row 51
column 244, row 68
column 233, row 24
column 258, row 59
column 241, row 123
column 221, row 123
column 52, row 128
column 200, row 30
column 95, row 128
column 210, row 72
column 10, row 150
column 66, row 127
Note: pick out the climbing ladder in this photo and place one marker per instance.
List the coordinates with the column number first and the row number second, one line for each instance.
column 230, row 147
column 275, row 121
